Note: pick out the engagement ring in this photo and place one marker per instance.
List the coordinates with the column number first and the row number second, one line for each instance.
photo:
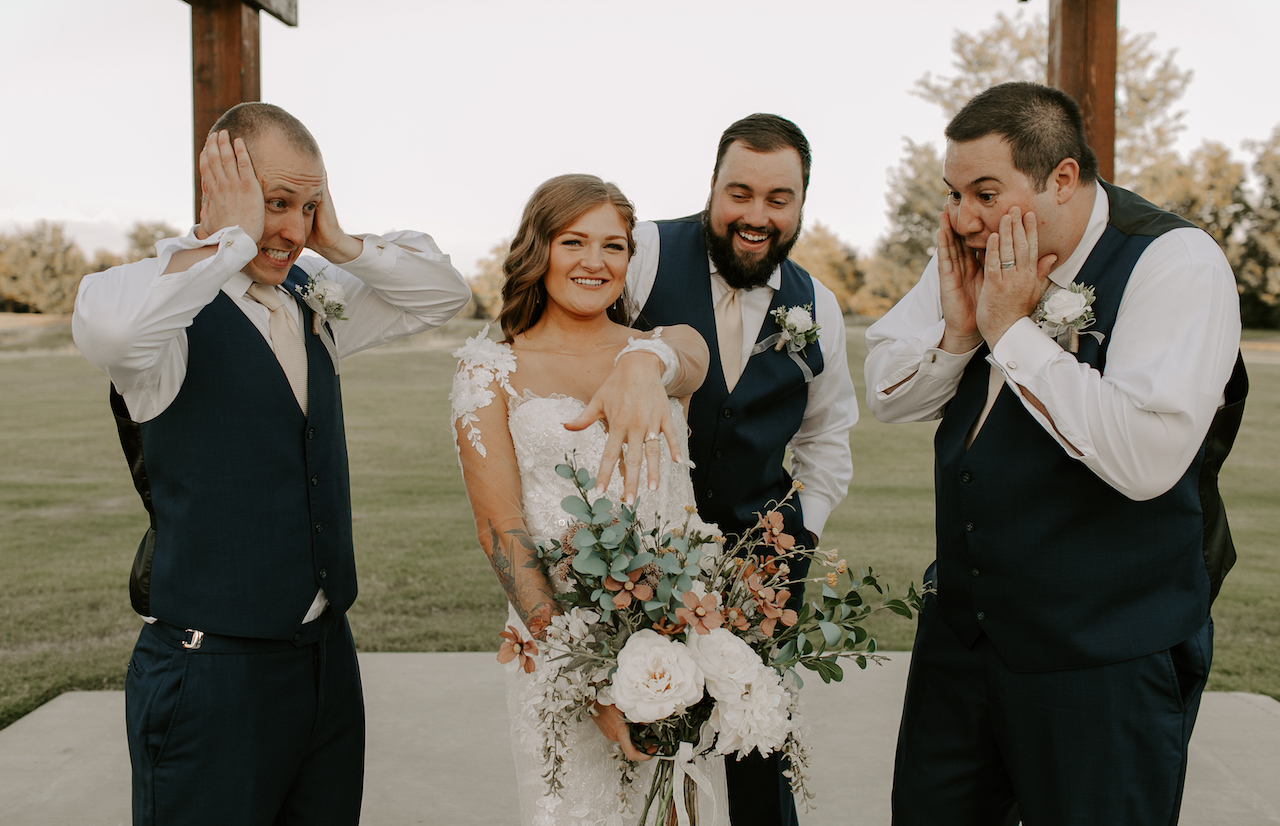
column 652, row 437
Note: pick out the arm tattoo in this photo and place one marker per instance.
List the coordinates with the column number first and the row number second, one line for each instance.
column 537, row 594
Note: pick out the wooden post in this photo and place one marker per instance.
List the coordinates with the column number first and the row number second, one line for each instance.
column 224, row 61
column 1082, row 63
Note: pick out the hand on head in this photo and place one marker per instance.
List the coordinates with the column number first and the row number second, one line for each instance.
column 327, row 238
column 232, row 195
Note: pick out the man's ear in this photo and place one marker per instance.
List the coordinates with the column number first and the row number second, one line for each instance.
column 1065, row 180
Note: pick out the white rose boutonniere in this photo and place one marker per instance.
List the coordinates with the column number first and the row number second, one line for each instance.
column 326, row 298
column 1065, row 313
column 799, row 330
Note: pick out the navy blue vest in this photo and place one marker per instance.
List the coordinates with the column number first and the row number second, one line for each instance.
column 1058, row 568
column 738, row 439
column 250, row 500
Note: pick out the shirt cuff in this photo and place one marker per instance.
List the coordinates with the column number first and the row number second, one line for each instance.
column 1023, row 351
column 235, row 248
column 934, row 363
column 816, row 511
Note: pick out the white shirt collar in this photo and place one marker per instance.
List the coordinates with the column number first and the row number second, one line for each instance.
column 1064, row 274
column 237, row 286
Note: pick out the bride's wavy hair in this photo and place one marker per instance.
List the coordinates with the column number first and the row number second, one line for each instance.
column 554, row 205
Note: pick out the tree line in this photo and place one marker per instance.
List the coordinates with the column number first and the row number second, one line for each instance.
column 1236, row 200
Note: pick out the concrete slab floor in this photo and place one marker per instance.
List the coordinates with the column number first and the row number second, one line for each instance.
column 438, row 751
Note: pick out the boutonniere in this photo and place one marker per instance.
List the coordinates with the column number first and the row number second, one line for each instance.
column 326, row 298
column 798, row 331
column 1064, row 314
column 798, row 327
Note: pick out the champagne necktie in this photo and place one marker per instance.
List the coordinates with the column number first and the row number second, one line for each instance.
column 729, row 336
column 286, row 340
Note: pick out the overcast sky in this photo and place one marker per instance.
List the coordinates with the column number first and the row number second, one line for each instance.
column 444, row 116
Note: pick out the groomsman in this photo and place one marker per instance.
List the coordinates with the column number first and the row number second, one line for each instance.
column 725, row 271
column 242, row 700
column 1058, row 669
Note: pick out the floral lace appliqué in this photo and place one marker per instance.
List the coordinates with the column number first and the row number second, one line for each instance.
column 481, row 363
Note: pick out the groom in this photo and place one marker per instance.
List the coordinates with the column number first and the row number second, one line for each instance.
column 242, row 700
column 1057, row 672
column 725, row 271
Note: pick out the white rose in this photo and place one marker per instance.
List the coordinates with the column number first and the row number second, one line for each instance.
column 656, row 678
column 728, row 664
column 758, row 720
column 330, row 292
column 1064, row 307
column 799, row 319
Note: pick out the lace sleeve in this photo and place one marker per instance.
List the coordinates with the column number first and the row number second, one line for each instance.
column 482, row 364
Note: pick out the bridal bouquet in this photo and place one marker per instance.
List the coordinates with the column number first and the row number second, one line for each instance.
column 691, row 638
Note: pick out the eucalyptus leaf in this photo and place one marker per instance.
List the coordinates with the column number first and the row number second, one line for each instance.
column 589, row 563
column 565, row 471
column 830, row 632
column 575, row 507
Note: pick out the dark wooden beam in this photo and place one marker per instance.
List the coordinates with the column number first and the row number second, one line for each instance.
column 286, row 11
column 1082, row 63
column 224, row 61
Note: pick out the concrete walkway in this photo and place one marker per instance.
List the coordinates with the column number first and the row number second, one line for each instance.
column 438, row 751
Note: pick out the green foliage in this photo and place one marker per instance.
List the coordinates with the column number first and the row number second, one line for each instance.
column 1258, row 267
column 40, row 270
column 486, row 283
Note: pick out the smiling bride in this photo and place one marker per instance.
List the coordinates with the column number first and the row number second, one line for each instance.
column 564, row 321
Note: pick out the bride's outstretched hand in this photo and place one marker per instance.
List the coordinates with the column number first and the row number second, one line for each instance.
column 633, row 405
column 614, row 726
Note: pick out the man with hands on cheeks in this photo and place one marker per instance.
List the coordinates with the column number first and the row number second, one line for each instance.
column 243, row 697
column 1057, row 670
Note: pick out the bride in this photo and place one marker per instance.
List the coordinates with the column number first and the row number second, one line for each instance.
column 521, row 406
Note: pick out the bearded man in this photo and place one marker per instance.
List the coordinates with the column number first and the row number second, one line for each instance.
column 725, row 271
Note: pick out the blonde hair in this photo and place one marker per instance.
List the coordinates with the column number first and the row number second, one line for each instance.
column 552, row 208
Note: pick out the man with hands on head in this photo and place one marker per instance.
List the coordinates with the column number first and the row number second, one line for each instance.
column 1057, row 670
column 243, row 698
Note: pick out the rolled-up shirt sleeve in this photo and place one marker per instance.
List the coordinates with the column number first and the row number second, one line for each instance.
column 399, row 285
column 1139, row 423
column 909, row 379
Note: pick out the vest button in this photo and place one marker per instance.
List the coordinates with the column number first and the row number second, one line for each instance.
column 974, row 572
column 708, row 494
column 319, row 527
column 968, row 526
column 718, row 454
column 315, row 480
column 311, row 432
column 297, row 638
column 966, row 476
column 982, row 615
column 323, row 573
column 728, row 414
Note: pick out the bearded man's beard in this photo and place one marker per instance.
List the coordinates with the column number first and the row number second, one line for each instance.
column 746, row 272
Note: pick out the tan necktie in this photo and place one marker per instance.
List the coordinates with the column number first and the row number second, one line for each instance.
column 286, row 340
column 995, row 380
column 729, row 334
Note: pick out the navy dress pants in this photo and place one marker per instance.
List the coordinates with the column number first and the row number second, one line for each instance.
column 758, row 793
column 244, row 731
column 1105, row 745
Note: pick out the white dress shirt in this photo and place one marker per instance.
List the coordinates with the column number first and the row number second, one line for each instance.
column 131, row 321
column 820, row 457
column 1137, row 425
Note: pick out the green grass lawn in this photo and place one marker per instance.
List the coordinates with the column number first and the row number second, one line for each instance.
column 70, row 521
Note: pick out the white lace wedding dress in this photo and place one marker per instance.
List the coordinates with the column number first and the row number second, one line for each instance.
column 592, row 780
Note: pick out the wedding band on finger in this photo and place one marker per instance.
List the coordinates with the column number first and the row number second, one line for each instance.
column 1007, row 265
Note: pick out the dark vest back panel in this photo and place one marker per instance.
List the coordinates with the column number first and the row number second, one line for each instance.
column 1088, row 576
column 738, row 439
column 250, row 499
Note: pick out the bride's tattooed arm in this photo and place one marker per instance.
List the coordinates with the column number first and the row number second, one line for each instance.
column 522, row 578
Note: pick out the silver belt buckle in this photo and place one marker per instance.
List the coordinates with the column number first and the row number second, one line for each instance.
column 197, row 639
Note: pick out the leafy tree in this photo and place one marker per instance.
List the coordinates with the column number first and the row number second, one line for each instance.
column 40, row 270
column 486, row 283
column 143, row 237
column 916, row 194
column 830, row 260
column 1258, row 270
